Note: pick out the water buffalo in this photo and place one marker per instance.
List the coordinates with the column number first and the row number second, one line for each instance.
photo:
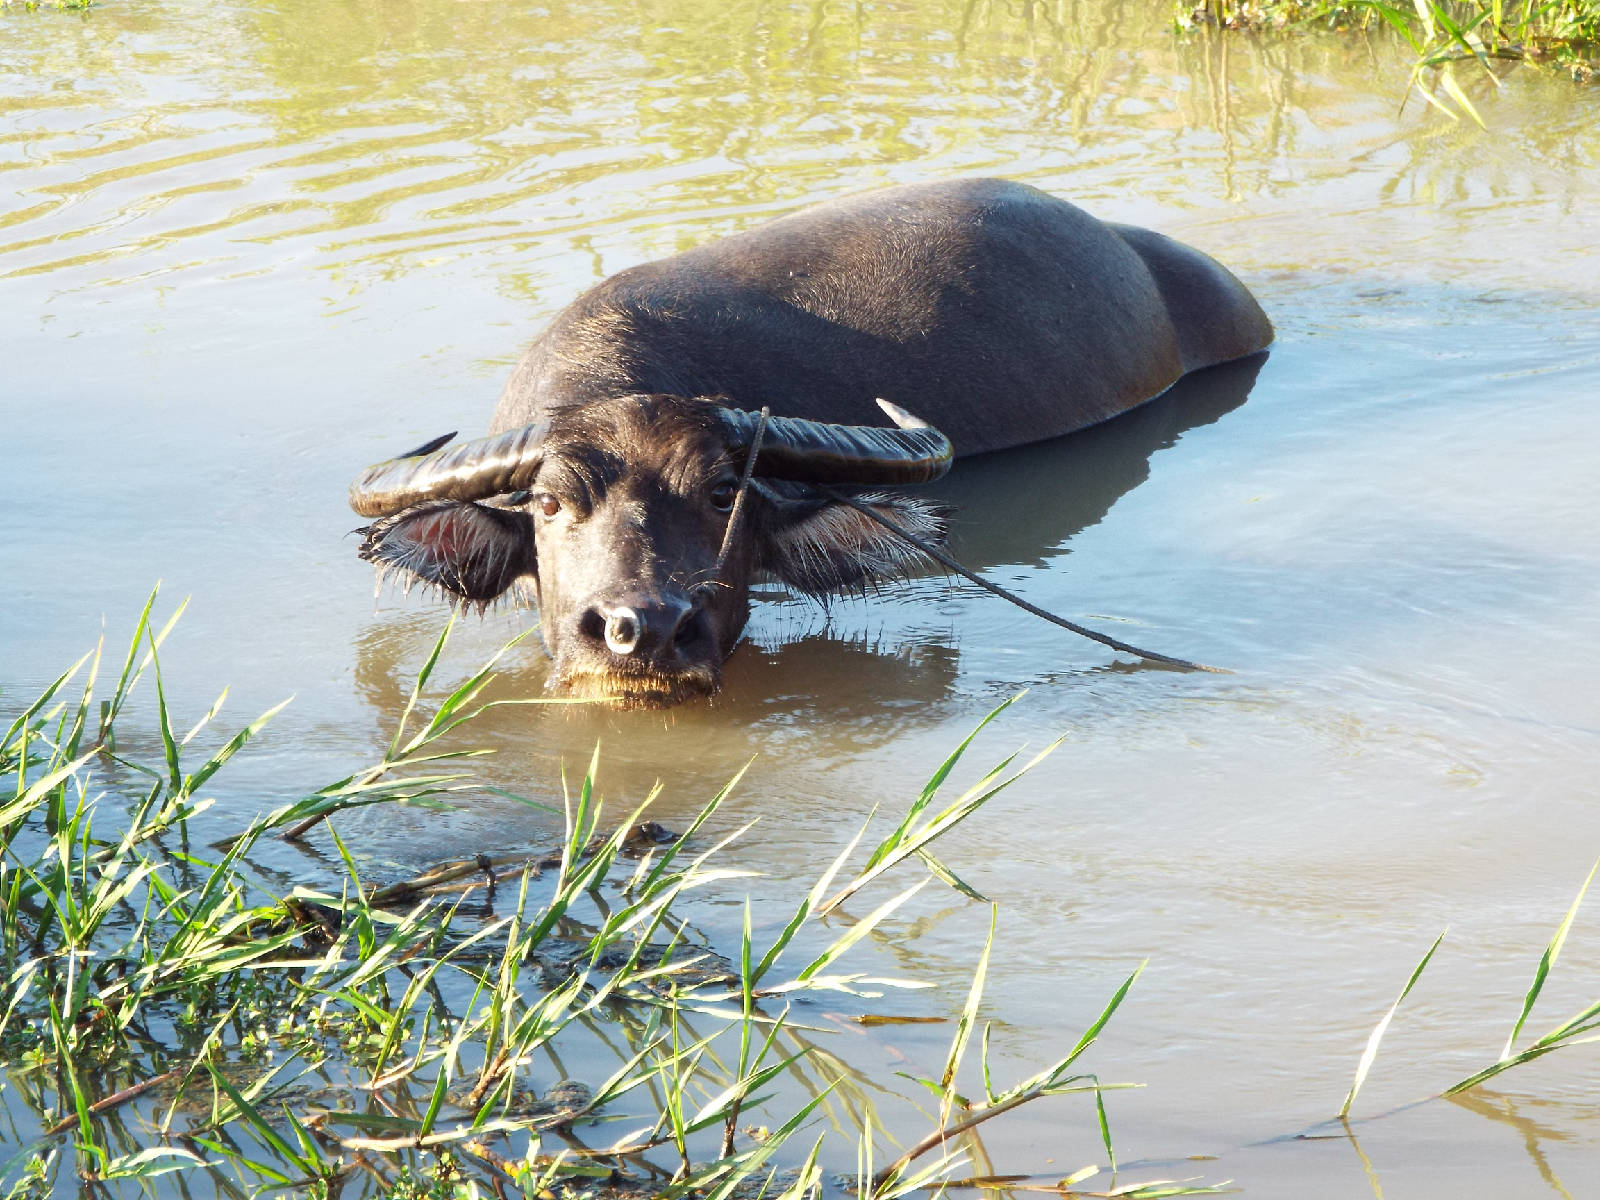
column 608, row 489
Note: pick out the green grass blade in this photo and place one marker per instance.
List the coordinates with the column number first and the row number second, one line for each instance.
column 169, row 743
column 418, row 684
column 1447, row 80
column 805, row 908
column 64, row 1057
column 210, row 715
column 236, row 743
column 754, row 1158
column 949, row 878
column 965, row 1024
column 1093, row 1031
column 1537, row 1050
column 441, row 1087
column 1371, row 1052
column 936, row 781
column 126, row 680
column 44, row 698
column 1548, row 960
column 39, row 791
column 256, row 1121
column 908, row 843
column 860, row 930
column 1105, row 1125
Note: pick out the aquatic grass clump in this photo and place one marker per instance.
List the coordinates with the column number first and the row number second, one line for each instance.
column 166, row 1008
column 1247, row 14
column 1441, row 33
column 63, row 5
column 1510, row 29
column 1579, row 1029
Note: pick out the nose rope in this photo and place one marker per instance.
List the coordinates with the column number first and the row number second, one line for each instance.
column 939, row 556
column 736, row 513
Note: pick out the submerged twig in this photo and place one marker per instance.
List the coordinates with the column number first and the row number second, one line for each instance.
column 945, row 1133
column 945, row 560
column 448, row 876
column 116, row 1098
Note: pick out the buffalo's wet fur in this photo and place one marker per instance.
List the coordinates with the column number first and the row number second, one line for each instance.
column 813, row 559
column 447, row 547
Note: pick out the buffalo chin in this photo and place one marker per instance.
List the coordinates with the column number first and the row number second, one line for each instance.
column 641, row 689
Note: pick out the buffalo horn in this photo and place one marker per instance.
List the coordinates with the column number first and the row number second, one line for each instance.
column 475, row 470
column 814, row 452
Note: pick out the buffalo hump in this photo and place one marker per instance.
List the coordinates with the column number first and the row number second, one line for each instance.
column 998, row 313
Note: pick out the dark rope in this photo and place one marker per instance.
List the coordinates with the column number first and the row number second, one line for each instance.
column 736, row 513
column 941, row 557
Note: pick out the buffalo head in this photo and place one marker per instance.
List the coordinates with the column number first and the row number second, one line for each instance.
column 618, row 518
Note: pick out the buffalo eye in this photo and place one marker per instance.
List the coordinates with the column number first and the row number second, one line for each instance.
column 723, row 494
column 547, row 504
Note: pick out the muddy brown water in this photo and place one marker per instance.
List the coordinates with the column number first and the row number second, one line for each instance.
column 246, row 249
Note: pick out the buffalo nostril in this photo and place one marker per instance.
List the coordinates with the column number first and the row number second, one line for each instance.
column 691, row 625
column 623, row 629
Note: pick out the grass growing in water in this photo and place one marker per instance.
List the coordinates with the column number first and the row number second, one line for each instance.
column 1579, row 1029
column 166, row 1010
column 1442, row 33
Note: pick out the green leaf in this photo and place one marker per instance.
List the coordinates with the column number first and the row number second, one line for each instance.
column 860, row 930
column 1371, row 1052
column 1548, row 960
column 1105, row 1126
column 236, row 743
column 152, row 1161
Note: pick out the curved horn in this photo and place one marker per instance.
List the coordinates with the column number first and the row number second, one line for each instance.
column 475, row 470
column 814, row 452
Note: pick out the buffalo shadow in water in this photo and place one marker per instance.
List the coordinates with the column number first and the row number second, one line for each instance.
column 1020, row 507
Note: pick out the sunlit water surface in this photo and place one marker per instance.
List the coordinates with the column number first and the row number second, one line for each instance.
column 247, row 248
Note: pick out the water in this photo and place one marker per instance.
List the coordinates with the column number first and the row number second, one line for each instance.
column 246, row 249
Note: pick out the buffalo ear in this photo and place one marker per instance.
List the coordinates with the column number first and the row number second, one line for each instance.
column 469, row 550
column 829, row 547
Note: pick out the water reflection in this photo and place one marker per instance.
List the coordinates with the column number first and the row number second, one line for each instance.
column 774, row 696
column 377, row 138
column 796, row 680
column 1508, row 1110
column 1023, row 506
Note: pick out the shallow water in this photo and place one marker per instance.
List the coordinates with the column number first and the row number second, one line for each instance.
column 246, row 249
